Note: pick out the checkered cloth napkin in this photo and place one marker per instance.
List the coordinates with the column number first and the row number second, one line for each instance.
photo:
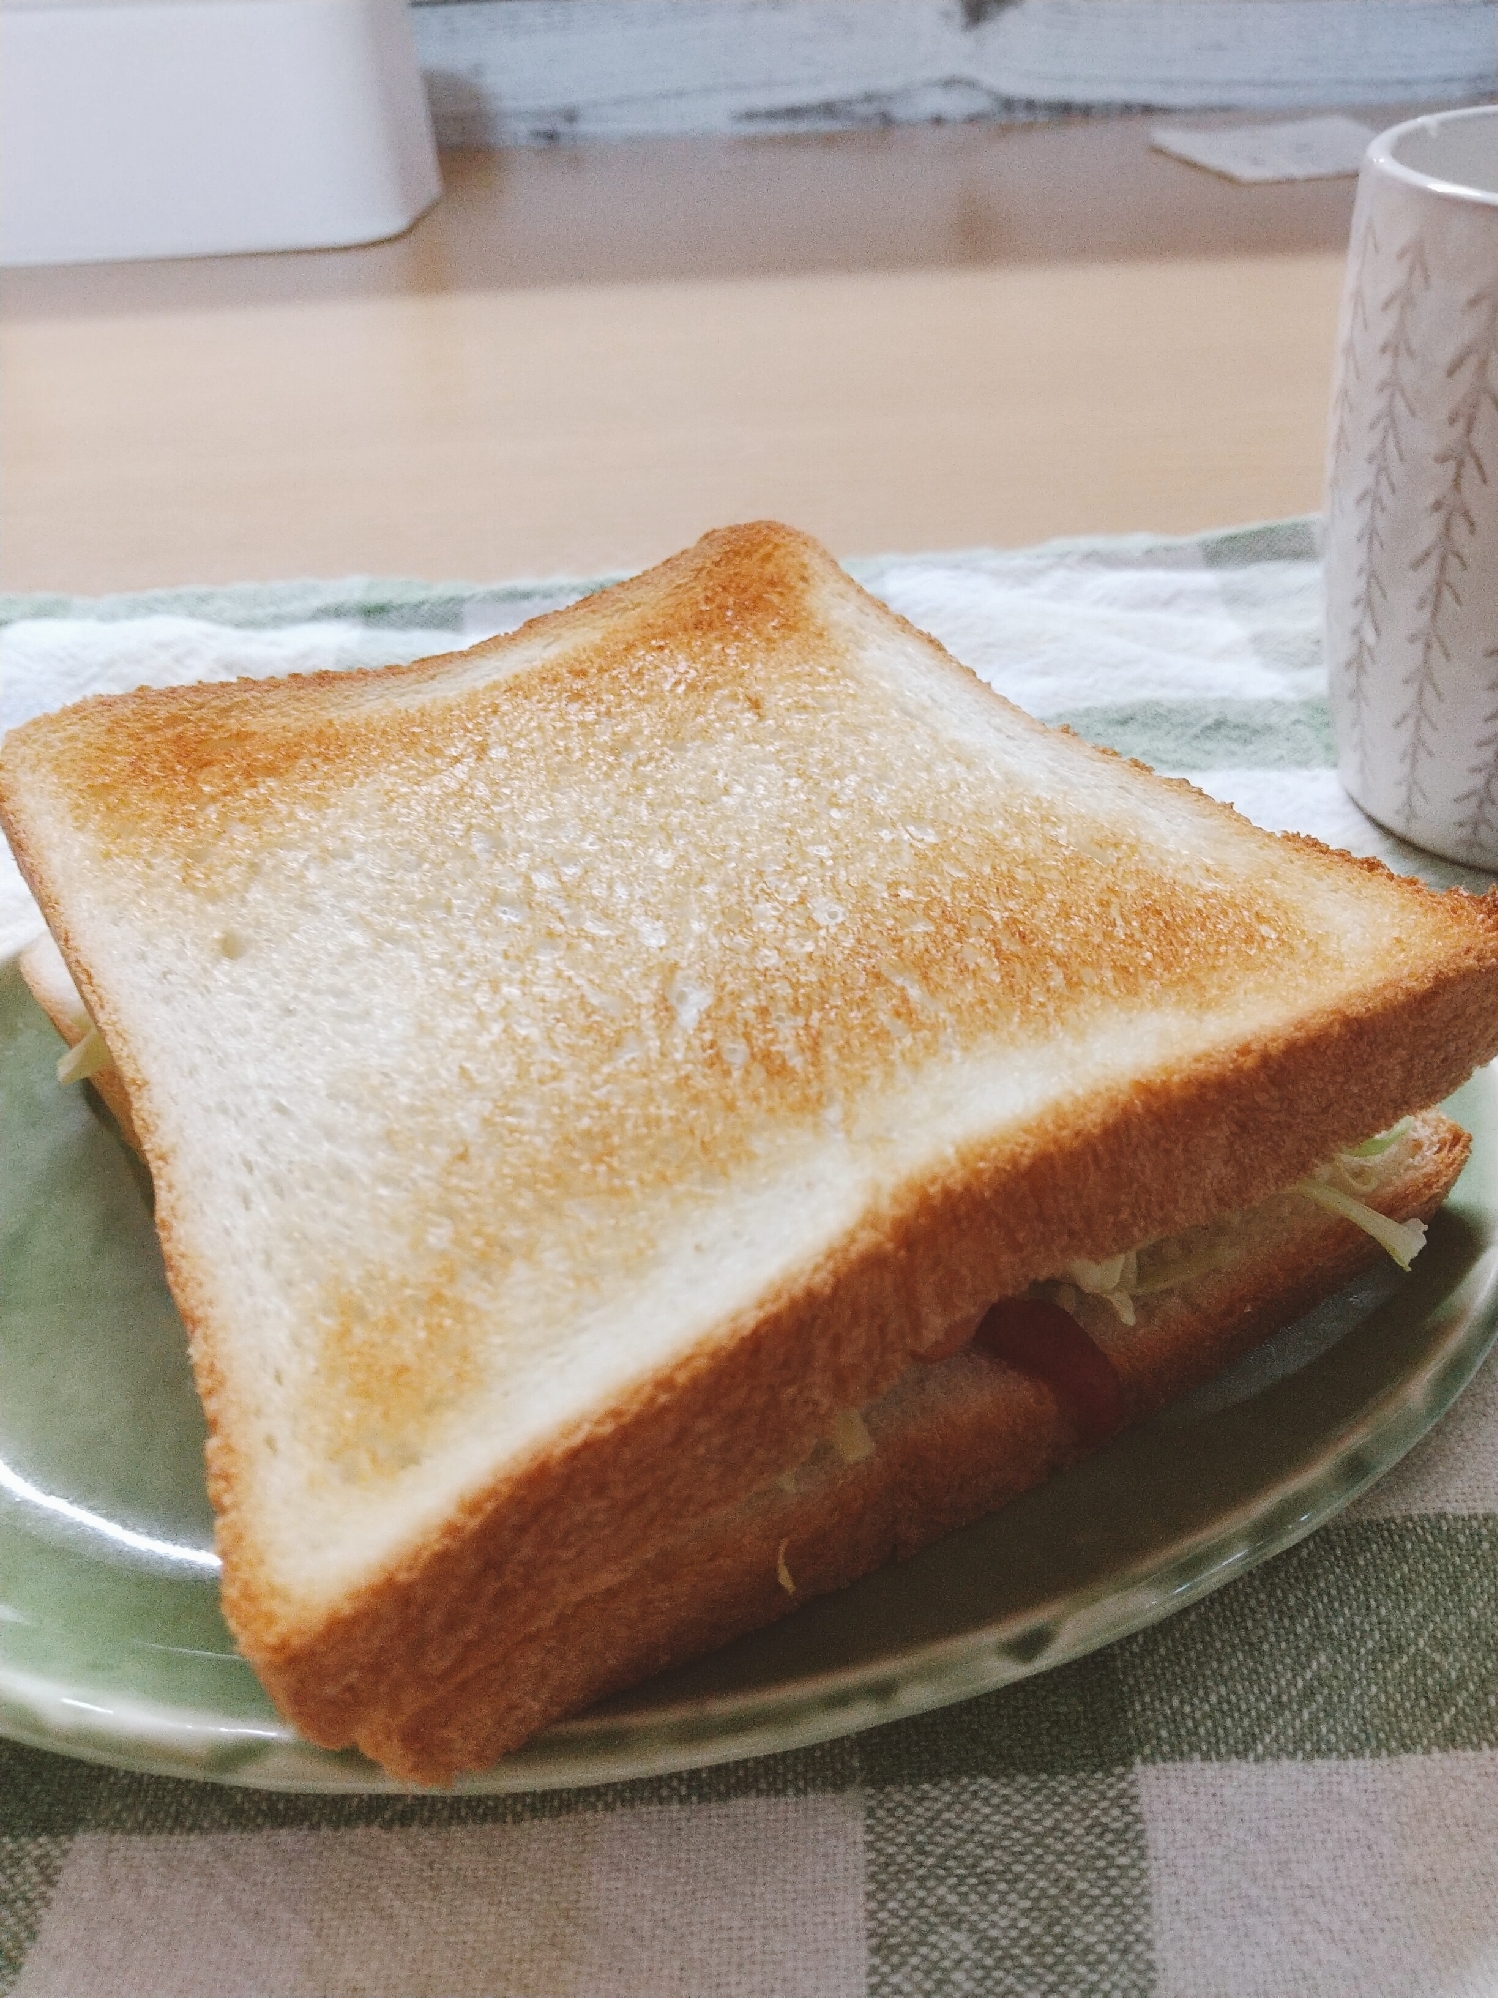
column 1290, row 1788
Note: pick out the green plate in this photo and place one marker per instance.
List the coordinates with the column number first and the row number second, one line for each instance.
column 112, row 1646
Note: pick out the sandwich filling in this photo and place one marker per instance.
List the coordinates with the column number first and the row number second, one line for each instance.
column 1042, row 1334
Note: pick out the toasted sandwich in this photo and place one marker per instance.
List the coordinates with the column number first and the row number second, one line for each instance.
column 661, row 1111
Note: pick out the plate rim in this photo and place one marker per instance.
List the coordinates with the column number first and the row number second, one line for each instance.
column 822, row 1707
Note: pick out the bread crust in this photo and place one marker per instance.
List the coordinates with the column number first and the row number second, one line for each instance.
column 131, row 782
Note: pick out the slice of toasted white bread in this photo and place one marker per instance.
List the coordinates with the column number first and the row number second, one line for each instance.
column 574, row 1070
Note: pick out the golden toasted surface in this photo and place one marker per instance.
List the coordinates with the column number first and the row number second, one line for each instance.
column 688, row 875
column 572, row 1069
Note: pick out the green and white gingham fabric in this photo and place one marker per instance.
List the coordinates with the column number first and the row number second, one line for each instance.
column 1291, row 1788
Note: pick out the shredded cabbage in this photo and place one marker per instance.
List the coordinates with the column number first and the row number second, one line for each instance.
column 1362, row 1175
column 850, row 1436
column 1116, row 1280
column 84, row 1060
column 1097, row 1278
column 1214, row 1257
column 1374, row 1148
column 782, row 1572
column 1403, row 1239
column 1163, row 1265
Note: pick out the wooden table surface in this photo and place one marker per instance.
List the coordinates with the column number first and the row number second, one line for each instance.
column 583, row 357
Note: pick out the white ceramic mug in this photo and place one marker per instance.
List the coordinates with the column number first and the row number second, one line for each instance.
column 1411, row 528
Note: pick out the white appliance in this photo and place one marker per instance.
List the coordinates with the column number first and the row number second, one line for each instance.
column 186, row 128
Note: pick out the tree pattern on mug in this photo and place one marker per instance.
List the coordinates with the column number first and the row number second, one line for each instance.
column 1480, row 825
column 1446, row 558
column 1373, row 487
column 1412, row 520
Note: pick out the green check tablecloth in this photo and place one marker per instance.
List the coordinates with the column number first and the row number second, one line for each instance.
column 1290, row 1788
